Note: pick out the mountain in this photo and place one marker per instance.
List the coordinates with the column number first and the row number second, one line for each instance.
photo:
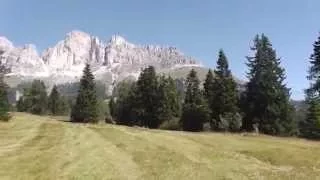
column 111, row 61
column 22, row 60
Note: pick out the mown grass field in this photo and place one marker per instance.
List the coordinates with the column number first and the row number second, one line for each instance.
column 33, row 147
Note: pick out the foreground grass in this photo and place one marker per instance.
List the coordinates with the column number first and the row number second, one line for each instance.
column 33, row 147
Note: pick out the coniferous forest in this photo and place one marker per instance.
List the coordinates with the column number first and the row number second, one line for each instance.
column 217, row 104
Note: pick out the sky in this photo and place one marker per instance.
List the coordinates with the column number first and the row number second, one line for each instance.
column 198, row 28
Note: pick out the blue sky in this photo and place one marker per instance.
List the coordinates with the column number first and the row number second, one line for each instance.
column 198, row 28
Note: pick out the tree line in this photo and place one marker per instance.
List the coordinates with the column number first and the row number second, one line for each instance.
column 35, row 100
column 263, row 106
column 154, row 101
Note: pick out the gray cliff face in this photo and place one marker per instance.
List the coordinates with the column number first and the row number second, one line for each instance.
column 111, row 61
column 22, row 60
column 67, row 58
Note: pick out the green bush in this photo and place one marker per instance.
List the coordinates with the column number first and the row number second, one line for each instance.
column 5, row 117
column 102, row 109
column 4, row 104
column 108, row 119
column 230, row 122
column 173, row 125
column 235, row 122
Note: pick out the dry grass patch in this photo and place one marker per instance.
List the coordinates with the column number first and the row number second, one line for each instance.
column 33, row 147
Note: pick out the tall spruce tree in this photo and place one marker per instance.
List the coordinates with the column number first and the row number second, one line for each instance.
column 310, row 127
column 224, row 97
column 208, row 85
column 147, row 98
column 24, row 102
column 209, row 90
column 169, row 100
column 85, row 108
column 20, row 105
column 57, row 104
column 36, row 100
column 123, row 103
column 112, row 107
column 266, row 97
column 54, row 101
column 4, row 103
column 195, row 109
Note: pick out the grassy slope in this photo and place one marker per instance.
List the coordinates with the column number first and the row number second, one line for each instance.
column 33, row 147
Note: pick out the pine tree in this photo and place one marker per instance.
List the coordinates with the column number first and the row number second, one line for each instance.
column 123, row 103
column 112, row 107
column 57, row 104
column 20, row 105
column 310, row 127
column 36, row 99
column 54, row 101
column 24, row 103
column 313, row 77
column 209, row 90
column 266, row 97
column 4, row 103
column 208, row 85
column 195, row 110
column 224, row 96
column 174, row 97
column 169, row 101
column 147, row 100
column 64, row 107
column 85, row 108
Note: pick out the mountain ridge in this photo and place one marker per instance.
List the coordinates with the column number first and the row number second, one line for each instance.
column 117, row 58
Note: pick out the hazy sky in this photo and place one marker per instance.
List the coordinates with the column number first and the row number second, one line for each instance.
column 198, row 28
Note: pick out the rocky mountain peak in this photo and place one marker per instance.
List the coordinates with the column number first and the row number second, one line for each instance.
column 5, row 44
column 117, row 39
column 76, row 34
column 31, row 48
column 111, row 61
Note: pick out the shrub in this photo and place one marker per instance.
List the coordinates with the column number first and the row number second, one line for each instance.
column 5, row 117
column 173, row 125
column 223, row 124
column 235, row 123
column 230, row 122
column 109, row 120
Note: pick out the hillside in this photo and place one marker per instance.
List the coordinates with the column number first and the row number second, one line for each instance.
column 33, row 147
